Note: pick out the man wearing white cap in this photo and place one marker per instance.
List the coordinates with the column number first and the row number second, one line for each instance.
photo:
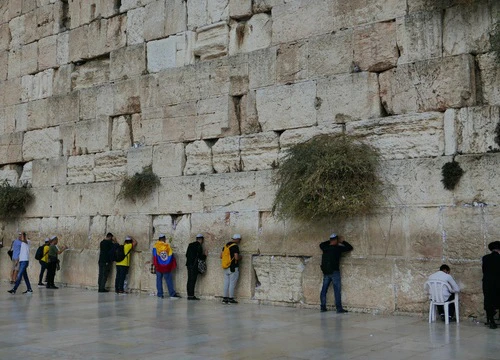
column 54, row 252
column 330, row 265
column 123, row 265
column 231, row 272
column 194, row 253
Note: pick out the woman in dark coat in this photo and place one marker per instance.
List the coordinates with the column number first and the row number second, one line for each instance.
column 491, row 283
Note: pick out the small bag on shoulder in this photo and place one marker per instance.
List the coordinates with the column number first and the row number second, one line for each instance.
column 202, row 266
column 152, row 269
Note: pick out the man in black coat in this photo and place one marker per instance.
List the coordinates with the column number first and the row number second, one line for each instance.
column 105, row 260
column 491, row 283
column 194, row 252
column 330, row 265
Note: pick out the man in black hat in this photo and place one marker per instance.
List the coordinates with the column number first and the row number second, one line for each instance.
column 330, row 265
column 105, row 260
column 491, row 283
column 194, row 253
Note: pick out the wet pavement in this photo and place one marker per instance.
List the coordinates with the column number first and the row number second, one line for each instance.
column 71, row 323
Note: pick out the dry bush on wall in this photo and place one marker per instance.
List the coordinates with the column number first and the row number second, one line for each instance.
column 14, row 200
column 327, row 176
column 140, row 185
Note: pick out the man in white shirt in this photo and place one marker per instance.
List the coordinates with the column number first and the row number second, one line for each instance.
column 24, row 257
column 444, row 275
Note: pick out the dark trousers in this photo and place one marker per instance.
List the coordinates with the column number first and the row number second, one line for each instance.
column 43, row 266
column 121, row 274
column 451, row 309
column 104, row 270
column 192, row 276
column 51, row 273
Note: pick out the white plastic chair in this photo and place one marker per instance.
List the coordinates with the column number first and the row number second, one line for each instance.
column 435, row 289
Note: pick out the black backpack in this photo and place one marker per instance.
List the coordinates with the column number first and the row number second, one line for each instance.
column 39, row 253
column 119, row 253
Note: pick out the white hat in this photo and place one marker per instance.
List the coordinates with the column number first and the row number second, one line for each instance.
column 53, row 237
column 199, row 236
column 128, row 238
column 236, row 237
column 47, row 240
column 333, row 236
column 161, row 236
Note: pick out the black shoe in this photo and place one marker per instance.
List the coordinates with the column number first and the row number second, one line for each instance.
column 12, row 291
column 342, row 311
column 176, row 296
column 193, row 298
column 493, row 325
column 103, row 291
column 323, row 309
column 41, row 284
column 225, row 301
column 231, row 301
column 29, row 291
column 52, row 287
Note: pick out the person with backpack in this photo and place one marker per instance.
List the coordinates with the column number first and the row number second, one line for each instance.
column 53, row 261
column 164, row 263
column 24, row 257
column 15, row 248
column 230, row 263
column 194, row 253
column 122, row 258
column 330, row 265
column 42, row 255
column 106, row 248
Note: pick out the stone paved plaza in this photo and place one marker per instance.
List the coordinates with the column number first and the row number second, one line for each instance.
column 72, row 323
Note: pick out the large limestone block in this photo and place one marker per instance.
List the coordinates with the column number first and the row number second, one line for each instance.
column 280, row 278
column 121, row 135
column 262, row 68
column 62, row 54
column 14, row 63
column 92, row 205
column 176, row 16
column 467, row 28
column 78, row 43
column 431, row 85
column 259, row 151
column 213, row 78
column 181, row 194
column 10, row 92
column 72, row 231
column 91, row 136
column 198, row 158
column 126, row 97
column 287, row 106
column 430, row 5
column 235, row 191
column 168, row 160
column 145, row 131
column 240, row 8
column 469, row 130
column 375, row 46
column 63, row 200
column 41, row 144
column 420, row 36
column 177, row 85
column 212, row 117
column 96, row 231
column 4, row 36
column 127, row 62
column 403, row 136
column 26, row 175
column 297, row 136
column 29, row 58
column 110, row 166
column 135, row 26
column 425, row 236
column 127, row 5
column 463, row 233
column 180, row 122
column 205, row 12
column 226, row 155
column 345, row 98
column 80, row 169
column 490, row 78
column 90, row 74
column 47, row 52
column 137, row 226
column 49, row 20
column 49, row 172
column 251, row 35
column 108, row 34
column 330, row 54
column 386, row 233
column 174, row 51
column 36, row 114
column 63, row 109
column 292, row 20
column 347, row 14
column 291, row 62
column 75, row 269
column 17, row 29
column 4, row 65
column 212, row 41
column 155, row 13
column 8, row 120
column 41, row 205
column 61, row 83
column 415, row 182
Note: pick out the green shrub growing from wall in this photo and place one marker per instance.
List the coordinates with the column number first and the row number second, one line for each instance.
column 14, row 200
column 329, row 175
column 140, row 185
column 451, row 172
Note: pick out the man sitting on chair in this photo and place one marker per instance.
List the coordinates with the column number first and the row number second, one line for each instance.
column 444, row 275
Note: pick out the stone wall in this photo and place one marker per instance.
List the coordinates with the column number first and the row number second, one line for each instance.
column 211, row 93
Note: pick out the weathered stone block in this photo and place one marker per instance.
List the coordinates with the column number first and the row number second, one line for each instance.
column 121, row 135
column 47, row 52
column 92, row 205
column 345, row 98
column 296, row 136
column 15, row 61
column 110, row 166
column 181, row 194
column 63, row 109
column 11, row 148
column 287, row 106
column 432, row 85
column 262, row 68
column 155, row 13
column 4, row 65
column 49, row 172
column 137, row 226
column 251, row 35
column 73, row 231
column 330, row 54
column 212, row 41
column 240, row 8
column 168, row 160
column 90, row 73
column 135, row 26
column 4, row 37
column 41, row 205
column 37, row 115
column 467, row 28
column 10, row 176
column 420, row 36
column 212, row 117
column 171, row 52
column 425, row 233
column 126, row 97
column 80, row 169
column 61, row 84
column 259, row 151
column 26, row 175
column 198, row 158
column 175, row 16
column 490, row 78
column 128, row 62
column 48, row 19
column 62, row 55
column 291, row 62
column 16, row 26
column 139, row 158
column 145, row 131
column 375, row 46
column 174, row 86
column 203, row 12
column 78, row 43
column 226, row 155
column 179, row 122
column 423, row 135
column 292, row 20
column 213, row 78
column 41, row 144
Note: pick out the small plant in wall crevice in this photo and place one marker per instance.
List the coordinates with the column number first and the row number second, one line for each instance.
column 140, row 185
column 14, row 200
column 451, row 172
column 329, row 175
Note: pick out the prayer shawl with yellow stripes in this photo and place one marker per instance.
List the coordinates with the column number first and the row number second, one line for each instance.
column 163, row 257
